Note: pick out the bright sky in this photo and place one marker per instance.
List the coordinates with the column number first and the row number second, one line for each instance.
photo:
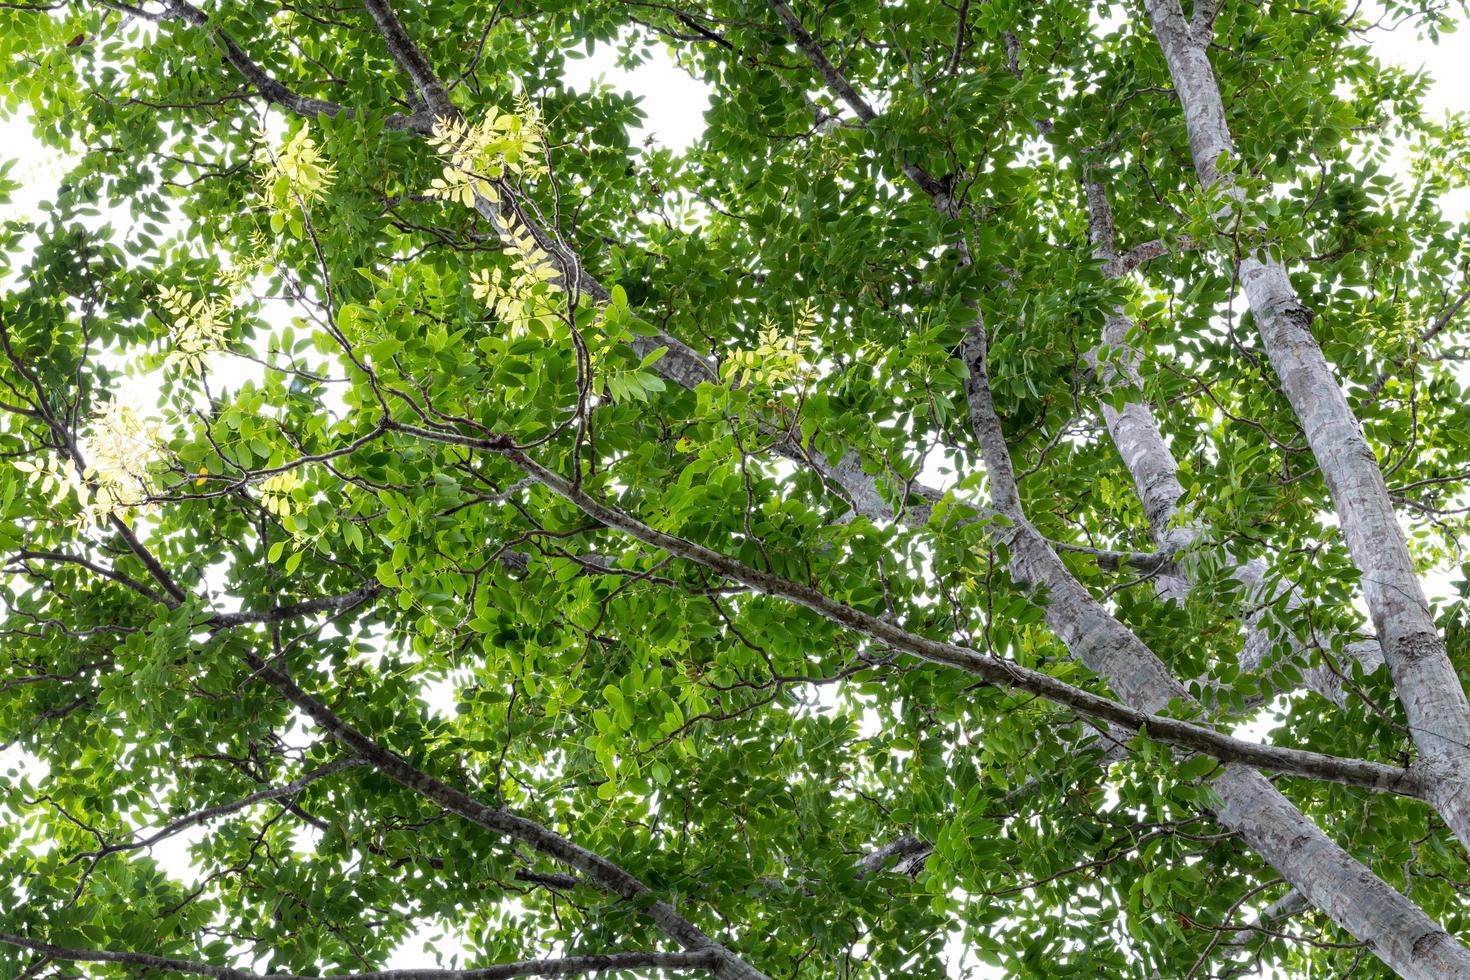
column 675, row 105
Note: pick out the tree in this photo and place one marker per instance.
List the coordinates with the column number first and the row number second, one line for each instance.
column 852, row 540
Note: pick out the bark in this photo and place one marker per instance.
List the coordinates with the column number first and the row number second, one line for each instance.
column 1155, row 473
column 1426, row 682
column 1400, row 933
column 908, row 854
column 1135, row 434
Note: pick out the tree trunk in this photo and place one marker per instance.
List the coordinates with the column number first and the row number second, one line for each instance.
column 1425, row 680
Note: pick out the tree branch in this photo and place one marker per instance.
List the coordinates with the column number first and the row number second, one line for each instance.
column 308, row 607
column 110, row 574
column 845, row 91
column 1002, row 673
column 275, row 793
column 1202, row 23
column 273, row 90
column 1121, row 265
column 597, row 869
column 407, row 54
column 566, row 966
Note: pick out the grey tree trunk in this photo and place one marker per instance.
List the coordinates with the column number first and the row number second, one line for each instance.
column 1155, row 472
column 1400, row 933
column 1424, row 679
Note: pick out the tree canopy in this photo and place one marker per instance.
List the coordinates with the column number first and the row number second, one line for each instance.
column 857, row 545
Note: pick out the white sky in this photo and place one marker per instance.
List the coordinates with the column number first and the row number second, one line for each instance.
column 674, row 105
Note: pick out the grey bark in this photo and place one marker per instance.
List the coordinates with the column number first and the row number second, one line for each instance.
column 1400, row 933
column 1155, row 473
column 1330, row 878
column 908, row 854
column 1426, row 682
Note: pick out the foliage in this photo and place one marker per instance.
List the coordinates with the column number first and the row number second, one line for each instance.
column 641, row 494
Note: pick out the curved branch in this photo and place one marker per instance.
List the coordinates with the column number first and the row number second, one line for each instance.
column 308, row 607
column 263, row 796
column 1357, row 772
column 565, row 966
column 111, row 574
column 613, row 879
column 844, row 90
column 273, row 90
